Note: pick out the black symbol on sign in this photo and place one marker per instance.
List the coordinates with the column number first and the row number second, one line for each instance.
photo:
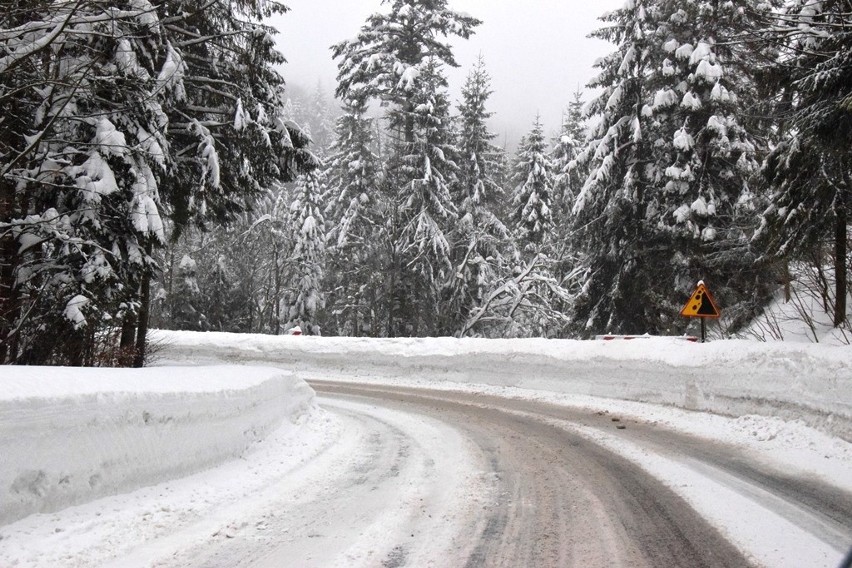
column 705, row 308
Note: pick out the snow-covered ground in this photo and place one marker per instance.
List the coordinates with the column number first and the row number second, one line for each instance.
column 803, row 317
column 807, row 383
column 72, row 435
column 153, row 461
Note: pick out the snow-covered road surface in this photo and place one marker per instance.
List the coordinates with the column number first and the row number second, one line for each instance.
column 392, row 476
column 432, row 452
column 560, row 498
column 396, row 489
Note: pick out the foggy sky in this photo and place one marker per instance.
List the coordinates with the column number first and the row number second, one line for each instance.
column 536, row 52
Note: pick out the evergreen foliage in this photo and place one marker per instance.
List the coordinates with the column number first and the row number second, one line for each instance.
column 809, row 169
column 144, row 141
column 396, row 59
column 307, row 225
column 480, row 237
column 667, row 198
column 532, row 199
column 356, row 228
column 120, row 115
column 569, row 176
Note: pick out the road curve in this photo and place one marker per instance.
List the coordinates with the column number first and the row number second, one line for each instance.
column 561, row 499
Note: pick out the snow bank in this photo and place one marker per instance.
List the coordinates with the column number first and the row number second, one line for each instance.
column 806, row 382
column 68, row 436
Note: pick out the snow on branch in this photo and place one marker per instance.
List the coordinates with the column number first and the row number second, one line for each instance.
column 207, row 154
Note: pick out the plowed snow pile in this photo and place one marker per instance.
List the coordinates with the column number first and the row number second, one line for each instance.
column 69, row 436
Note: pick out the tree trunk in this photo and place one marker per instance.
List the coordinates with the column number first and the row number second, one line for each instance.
column 840, row 222
column 276, row 312
column 8, row 295
column 170, row 296
column 142, row 324
column 788, row 292
column 128, row 339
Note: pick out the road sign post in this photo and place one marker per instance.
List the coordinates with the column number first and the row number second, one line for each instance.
column 701, row 305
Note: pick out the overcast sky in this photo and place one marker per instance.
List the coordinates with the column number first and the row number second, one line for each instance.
column 536, row 52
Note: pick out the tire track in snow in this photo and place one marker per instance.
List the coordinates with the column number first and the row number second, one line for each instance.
column 562, row 499
column 392, row 495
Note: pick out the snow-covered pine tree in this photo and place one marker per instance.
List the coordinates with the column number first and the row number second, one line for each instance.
column 353, row 175
column 82, row 149
column 320, row 121
column 479, row 237
column 186, row 308
column 384, row 61
column 670, row 165
column 226, row 120
column 529, row 300
column 225, row 100
column 609, row 209
column 396, row 59
column 425, row 171
column 568, row 176
column 307, row 259
column 704, row 156
column 136, row 89
column 809, row 169
column 354, row 215
column 532, row 200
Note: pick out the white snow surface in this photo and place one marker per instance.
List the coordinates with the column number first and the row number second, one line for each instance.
column 163, row 489
column 808, row 383
column 69, row 435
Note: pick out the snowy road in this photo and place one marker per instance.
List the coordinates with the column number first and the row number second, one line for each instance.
column 555, row 497
column 435, row 478
column 395, row 489
column 387, row 475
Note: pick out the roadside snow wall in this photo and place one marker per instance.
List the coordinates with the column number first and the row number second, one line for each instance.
column 792, row 381
column 68, row 436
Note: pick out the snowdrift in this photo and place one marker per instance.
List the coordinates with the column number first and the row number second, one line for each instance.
column 805, row 382
column 69, row 436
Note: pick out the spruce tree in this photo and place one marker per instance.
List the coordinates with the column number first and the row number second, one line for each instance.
column 424, row 171
column 568, row 174
column 307, row 259
column 397, row 59
column 668, row 195
column 144, row 112
column 610, row 206
column 83, row 149
column 479, row 236
column 568, row 178
column 320, row 121
column 355, row 220
column 704, row 157
column 532, row 200
column 809, row 169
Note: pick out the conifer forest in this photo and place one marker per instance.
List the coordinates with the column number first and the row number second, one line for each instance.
column 157, row 171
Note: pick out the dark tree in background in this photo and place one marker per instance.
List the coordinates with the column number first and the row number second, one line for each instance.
column 810, row 170
column 120, row 117
column 396, row 59
column 670, row 197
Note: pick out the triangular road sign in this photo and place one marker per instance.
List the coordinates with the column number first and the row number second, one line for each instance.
column 701, row 304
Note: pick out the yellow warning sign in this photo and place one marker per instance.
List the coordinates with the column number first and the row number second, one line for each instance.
column 701, row 304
